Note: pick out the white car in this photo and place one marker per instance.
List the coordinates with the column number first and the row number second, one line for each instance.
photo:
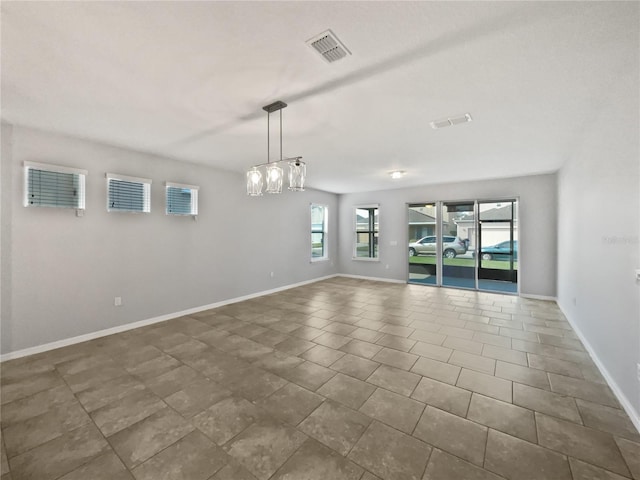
column 451, row 246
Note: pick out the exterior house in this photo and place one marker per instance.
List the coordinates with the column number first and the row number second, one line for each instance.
column 496, row 227
column 420, row 224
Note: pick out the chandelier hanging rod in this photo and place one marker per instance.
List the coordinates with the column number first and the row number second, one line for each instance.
column 274, row 107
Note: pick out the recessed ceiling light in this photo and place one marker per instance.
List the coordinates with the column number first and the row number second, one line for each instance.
column 396, row 174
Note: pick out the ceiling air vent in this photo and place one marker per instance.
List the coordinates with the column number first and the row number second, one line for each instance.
column 447, row 122
column 328, row 46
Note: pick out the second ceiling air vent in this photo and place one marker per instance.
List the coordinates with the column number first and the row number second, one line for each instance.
column 328, row 46
column 448, row 122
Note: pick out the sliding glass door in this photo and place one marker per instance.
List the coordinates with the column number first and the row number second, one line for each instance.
column 458, row 229
column 498, row 242
column 466, row 244
column 423, row 264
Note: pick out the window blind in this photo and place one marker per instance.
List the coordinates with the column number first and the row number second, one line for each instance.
column 128, row 194
column 54, row 186
column 181, row 199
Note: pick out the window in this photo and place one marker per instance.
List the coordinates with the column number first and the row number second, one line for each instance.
column 366, row 239
column 181, row 199
column 128, row 194
column 318, row 232
column 53, row 186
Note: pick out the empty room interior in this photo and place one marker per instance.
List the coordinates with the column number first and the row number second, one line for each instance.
column 320, row 240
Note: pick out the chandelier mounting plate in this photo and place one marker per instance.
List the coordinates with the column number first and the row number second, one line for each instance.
column 274, row 107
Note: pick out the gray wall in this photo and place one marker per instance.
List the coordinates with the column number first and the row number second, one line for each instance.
column 599, row 230
column 60, row 273
column 537, row 223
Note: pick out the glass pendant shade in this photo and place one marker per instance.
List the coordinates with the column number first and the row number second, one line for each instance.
column 297, row 175
column 254, row 182
column 274, row 178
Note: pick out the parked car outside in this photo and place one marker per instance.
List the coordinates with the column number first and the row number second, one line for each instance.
column 499, row 251
column 451, row 246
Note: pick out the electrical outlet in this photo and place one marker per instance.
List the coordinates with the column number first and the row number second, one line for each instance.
column 639, row 372
column 273, row 274
column 117, row 301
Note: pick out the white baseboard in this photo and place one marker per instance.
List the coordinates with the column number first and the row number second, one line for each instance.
column 149, row 321
column 539, row 297
column 634, row 415
column 375, row 279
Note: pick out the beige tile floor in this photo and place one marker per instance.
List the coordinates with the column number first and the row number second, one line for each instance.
column 341, row 379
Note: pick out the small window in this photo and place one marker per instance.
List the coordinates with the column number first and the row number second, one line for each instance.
column 53, row 186
column 128, row 194
column 319, row 232
column 366, row 234
column 181, row 199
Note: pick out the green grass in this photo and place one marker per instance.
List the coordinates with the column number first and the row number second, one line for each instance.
column 463, row 262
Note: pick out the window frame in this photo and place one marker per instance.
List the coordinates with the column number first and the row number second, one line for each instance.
column 372, row 231
column 46, row 167
column 145, row 182
column 324, row 232
column 194, row 198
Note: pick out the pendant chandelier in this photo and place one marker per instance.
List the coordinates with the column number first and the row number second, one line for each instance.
column 270, row 175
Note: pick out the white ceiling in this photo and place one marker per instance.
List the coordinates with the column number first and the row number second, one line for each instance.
column 188, row 80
